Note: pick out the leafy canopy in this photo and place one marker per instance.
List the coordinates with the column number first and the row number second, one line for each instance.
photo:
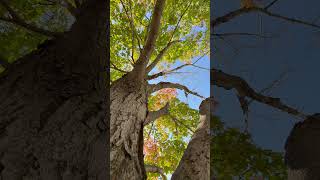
column 185, row 21
column 233, row 154
column 16, row 41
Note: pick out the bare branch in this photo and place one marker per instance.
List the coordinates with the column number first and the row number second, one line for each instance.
column 154, row 115
column 156, row 87
column 162, row 73
column 17, row 20
column 226, row 81
column 116, row 68
column 133, row 28
column 179, row 122
column 160, row 55
column 272, row 85
column 155, row 169
column 228, row 17
column 240, row 34
column 271, row 4
column 179, row 20
column 152, row 34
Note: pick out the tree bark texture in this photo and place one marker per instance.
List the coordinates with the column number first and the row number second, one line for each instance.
column 128, row 113
column 302, row 150
column 53, row 105
column 195, row 162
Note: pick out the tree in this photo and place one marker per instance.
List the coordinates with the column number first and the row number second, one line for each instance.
column 195, row 162
column 155, row 33
column 235, row 155
column 54, row 97
column 246, row 94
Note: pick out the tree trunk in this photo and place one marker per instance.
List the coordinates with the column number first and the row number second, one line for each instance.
column 53, row 105
column 195, row 162
column 302, row 150
column 128, row 113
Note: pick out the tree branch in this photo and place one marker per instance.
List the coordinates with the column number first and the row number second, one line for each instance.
column 154, row 115
column 228, row 17
column 155, row 169
column 228, row 82
column 179, row 20
column 17, row 20
column 116, row 68
column 156, row 87
column 162, row 73
column 133, row 28
column 240, row 34
column 179, row 122
column 271, row 4
column 152, row 35
column 160, row 55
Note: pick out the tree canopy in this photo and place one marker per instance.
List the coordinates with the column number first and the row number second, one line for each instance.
column 25, row 24
column 184, row 33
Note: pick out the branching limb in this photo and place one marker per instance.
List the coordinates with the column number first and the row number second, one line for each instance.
column 155, row 169
column 240, row 34
column 162, row 73
column 179, row 20
column 160, row 55
column 154, row 115
column 133, row 28
column 271, row 4
column 181, row 123
column 226, row 81
column 156, row 87
column 116, row 68
column 274, row 83
column 17, row 20
column 228, row 17
column 152, row 34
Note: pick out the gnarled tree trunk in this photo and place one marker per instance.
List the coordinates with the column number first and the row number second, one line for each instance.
column 195, row 162
column 302, row 150
column 53, row 105
column 128, row 113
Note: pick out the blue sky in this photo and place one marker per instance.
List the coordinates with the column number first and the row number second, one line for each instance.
column 195, row 79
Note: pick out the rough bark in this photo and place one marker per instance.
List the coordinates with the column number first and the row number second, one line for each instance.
column 195, row 162
column 128, row 112
column 129, row 99
column 53, row 105
column 302, row 150
column 155, row 169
